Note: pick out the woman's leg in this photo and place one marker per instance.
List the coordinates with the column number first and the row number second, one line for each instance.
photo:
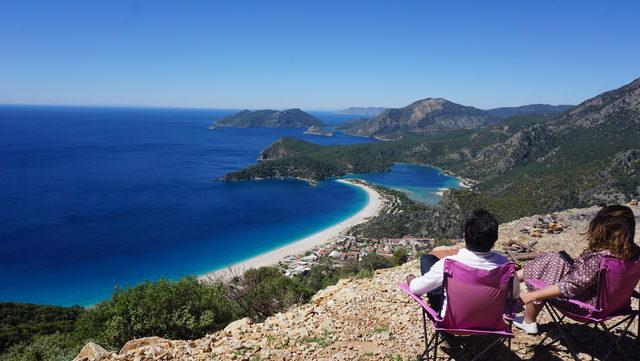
column 436, row 296
column 531, row 312
column 520, row 275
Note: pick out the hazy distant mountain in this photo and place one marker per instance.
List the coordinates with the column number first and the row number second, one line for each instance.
column 421, row 117
column 531, row 109
column 290, row 118
column 370, row 111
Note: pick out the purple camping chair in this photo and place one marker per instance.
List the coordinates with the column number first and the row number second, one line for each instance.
column 617, row 280
column 478, row 302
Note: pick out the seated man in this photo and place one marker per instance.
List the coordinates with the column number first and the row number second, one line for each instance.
column 480, row 234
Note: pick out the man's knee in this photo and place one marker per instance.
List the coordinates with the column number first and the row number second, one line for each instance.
column 426, row 262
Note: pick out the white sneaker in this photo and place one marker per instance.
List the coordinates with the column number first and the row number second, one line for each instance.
column 530, row 328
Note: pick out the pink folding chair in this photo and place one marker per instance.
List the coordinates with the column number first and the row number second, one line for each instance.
column 478, row 302
column 617, row 280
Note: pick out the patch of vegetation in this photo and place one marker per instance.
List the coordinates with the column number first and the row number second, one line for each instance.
column 19, row 323
column 52, row 347
column 183, row 309
column 323, row 341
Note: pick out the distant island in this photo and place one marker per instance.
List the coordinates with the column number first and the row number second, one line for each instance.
column 531, row 109
column 290, row 118
column 369, row 111
column 315, row 130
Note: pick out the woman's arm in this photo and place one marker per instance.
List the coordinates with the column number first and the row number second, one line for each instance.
column 552, row 291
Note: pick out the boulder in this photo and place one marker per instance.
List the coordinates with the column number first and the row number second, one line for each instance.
column 239, row 325
column 91, row 351
column 142, row 342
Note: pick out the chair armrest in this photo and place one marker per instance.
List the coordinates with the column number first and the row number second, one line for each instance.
column 433, row 315
column 581, row 304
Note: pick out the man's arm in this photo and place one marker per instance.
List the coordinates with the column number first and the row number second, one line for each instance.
column 428, row 281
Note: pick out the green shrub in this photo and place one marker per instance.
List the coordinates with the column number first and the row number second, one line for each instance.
column 320, row 276
column 53, row 347
column 263, row 292
column 400, row 256
column 185, row 309
column 373, row 261
column 21, row 322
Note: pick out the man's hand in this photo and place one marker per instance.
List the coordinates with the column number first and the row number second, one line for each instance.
column 410, row 278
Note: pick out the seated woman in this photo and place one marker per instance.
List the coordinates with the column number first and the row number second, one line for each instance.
column 480, row 234
column 611, row 233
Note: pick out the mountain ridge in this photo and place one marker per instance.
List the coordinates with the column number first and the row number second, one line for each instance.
column 424, row 116
column 529, row 109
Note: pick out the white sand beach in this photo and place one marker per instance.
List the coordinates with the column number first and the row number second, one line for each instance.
column 373, row 207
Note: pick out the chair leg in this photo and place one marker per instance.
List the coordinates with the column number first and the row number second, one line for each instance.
column 558, row 320
column 497, row 341
column 616, row 343
column 426, row 336
column 435, row 348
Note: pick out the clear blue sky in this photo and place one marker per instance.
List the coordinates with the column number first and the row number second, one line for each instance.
column 314, row 54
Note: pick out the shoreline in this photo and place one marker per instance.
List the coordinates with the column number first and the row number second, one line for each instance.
column 373, row 207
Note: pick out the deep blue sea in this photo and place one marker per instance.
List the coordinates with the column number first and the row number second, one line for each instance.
column 94, row 198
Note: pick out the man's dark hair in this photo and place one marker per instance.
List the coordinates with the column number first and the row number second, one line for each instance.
column 481, row 231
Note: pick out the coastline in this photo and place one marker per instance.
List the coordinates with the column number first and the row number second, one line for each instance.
column 373, row 207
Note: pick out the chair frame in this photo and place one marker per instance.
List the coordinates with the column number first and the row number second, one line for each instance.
column 558, row 316
column 438, row 337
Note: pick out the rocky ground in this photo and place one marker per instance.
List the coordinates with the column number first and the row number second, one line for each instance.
column 363, row 319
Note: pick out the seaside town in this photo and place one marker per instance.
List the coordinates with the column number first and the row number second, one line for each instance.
column 349, row 249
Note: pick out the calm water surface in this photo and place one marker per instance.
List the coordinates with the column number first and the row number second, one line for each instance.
column 93, row 198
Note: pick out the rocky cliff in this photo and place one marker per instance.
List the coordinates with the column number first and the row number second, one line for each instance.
column 364, row 319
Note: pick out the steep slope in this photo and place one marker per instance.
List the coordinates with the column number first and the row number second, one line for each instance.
column 422, row 117
column 531, row 109
column 290, row 118
column 621, row 105
column 365, row 319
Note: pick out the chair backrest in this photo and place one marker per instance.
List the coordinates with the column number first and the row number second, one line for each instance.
column 476, row 298
column 618, row 279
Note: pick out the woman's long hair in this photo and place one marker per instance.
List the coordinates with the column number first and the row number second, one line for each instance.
column 613, row 229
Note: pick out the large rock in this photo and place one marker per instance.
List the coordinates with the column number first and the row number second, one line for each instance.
column 239, row 325
column 91, row 352
column 143, row 342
